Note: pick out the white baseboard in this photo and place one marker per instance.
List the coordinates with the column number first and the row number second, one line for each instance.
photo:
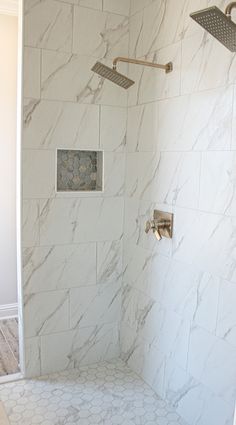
column 8, row 310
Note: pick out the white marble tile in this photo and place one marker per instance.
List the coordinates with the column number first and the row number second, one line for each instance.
column 69, row 77
column 207, row 298
column 136, row 307
column 145, row 359
column 152, row 17
column 113, row 128
column 141, row 170
column 109, row 261
column 213, row 364
column 169, row 178
column 144, row 269
column 160, row 25
column 38, row 177
column 31, row 72
column 65, row 76
column 200, row 121
column 32, row 357
column 177, row 179
column 153, row 84
column 188, row 26
column 30, row 223
column 94, row 305
column 48, row 25
column 233, row 146
column 226, row 323
column 49, row 124
column 84, row 220
column 121, row 7
column 94, row 4
column 81, row 347
column 99, row 34
column 195, row 403
column 155, row 324
column 46, row 312
column 180, row 287
column 135, row 34
column 58, row 267
column 114, row 174
column 218, row 183
column 137, row 5
column 142, row 128
column 213, row 249
column 201, row 69
column 91, row 4
column 156, row 26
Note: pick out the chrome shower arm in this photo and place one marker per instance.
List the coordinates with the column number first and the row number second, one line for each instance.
column 168, row 67
column 229, row 9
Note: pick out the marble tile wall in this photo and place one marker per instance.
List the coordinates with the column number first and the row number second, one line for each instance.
column 72, row 243
column 178, row 314
column 178, row 317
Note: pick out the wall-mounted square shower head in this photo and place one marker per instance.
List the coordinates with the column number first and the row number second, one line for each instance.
column 112, row 75
column 217, row 24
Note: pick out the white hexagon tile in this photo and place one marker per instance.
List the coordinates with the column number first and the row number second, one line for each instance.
column 108, row 393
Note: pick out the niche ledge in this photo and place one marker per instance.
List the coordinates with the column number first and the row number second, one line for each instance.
column 79, row 171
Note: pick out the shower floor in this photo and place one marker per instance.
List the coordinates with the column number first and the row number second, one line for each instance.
column 9, row 347
column 108, row 393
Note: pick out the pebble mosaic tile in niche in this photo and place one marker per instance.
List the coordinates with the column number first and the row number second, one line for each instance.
column 79, row 170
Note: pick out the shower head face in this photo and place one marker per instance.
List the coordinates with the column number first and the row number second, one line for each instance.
column 217, row 24
column 112, row 75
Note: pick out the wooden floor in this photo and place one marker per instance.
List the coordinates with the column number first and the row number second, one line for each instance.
column 3, row 416
column 9, row 347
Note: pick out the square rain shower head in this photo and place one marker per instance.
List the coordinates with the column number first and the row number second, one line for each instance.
column 112, row 75
column 217, row 24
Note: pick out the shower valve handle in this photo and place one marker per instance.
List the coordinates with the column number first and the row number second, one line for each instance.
column 161, row 225
column 154, row 226
column 149, row 226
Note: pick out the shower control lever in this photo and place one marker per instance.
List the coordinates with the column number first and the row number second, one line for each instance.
column 161, row 225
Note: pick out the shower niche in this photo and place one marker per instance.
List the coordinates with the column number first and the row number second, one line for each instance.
column 79, row 171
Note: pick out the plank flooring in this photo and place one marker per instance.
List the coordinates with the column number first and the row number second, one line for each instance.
column 3, row 416
column 9, row 347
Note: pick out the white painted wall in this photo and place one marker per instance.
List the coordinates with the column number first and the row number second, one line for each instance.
column 8, row 73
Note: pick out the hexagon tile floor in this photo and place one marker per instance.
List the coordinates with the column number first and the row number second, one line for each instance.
column 108, row 393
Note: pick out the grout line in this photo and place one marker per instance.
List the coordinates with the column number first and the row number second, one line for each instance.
column 73, row 24
column 232, row 119
column 100, row 125
column 217, row 311
column 40, row 74
column 96, row 260
column 200, row 181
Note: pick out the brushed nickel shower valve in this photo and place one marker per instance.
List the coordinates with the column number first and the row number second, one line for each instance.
column 161, row 225
column 152, row 225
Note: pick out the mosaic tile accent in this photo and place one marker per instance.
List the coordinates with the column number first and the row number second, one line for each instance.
column 108, row 393
column 79, row 170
